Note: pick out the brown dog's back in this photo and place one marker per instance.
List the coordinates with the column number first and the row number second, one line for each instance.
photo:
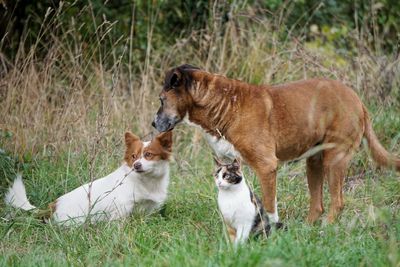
column 306, row 112
column 316, row 108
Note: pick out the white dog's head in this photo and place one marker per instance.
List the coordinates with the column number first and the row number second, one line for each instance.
column 148, row 157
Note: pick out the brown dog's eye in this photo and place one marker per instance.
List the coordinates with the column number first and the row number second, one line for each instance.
column 148, row 155
column 133, row 156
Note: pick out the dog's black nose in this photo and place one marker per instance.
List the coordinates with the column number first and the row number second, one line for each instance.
column 137, row 166
column 153, row 124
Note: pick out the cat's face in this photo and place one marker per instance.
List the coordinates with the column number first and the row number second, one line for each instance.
column 228, row 175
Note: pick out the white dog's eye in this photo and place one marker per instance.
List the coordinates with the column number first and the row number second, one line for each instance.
column 148, row 155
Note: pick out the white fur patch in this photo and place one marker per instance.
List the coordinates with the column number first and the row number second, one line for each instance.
column 237, row 209
column 274, row 217
column 16, row 195
column 112, row 197
column 221, row 147
column 107, row 198
column 146, row 144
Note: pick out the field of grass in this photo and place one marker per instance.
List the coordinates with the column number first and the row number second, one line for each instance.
column 63, row 118
column 191, row 233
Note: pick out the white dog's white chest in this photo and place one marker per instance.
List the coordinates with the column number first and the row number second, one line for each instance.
column 221, row 146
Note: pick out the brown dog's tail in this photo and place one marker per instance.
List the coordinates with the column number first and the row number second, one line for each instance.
column 379, row 153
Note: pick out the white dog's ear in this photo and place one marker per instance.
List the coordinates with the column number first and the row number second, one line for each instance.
column 217, row 161
column 165, row 140
column 130, row 138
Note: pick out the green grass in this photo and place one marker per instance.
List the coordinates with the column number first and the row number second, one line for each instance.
column 192, row 233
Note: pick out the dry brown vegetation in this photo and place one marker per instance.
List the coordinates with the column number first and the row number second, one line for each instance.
column 74, row 93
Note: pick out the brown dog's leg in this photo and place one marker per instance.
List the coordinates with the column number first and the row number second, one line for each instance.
column 335, row 164
column 266, row 172
column 315, row 185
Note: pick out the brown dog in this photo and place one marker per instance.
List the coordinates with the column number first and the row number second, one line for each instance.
column 321, row 119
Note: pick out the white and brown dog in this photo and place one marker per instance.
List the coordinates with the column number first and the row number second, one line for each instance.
column 140, row 183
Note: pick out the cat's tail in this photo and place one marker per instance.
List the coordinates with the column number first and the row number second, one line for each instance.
column 16, row 195
column 280, row 225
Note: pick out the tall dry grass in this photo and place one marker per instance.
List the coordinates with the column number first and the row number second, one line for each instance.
column 77, row 97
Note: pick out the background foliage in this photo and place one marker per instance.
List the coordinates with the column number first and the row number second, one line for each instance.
column 377, row 22
column 74, row 75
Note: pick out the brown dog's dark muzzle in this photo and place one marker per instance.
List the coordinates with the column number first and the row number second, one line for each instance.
column 163, row 123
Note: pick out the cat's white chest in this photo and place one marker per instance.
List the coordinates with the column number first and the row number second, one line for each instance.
column 236, row 207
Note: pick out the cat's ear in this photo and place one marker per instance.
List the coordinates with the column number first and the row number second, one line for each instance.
column 217, row 161
column 236, row 163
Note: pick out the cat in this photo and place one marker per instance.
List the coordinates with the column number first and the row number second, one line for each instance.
column 241, row 209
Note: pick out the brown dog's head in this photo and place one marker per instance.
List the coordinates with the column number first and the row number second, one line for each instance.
column 174, row 97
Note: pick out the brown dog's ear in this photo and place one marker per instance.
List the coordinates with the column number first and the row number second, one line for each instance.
column 173, row 79
column 165, row 140
column 130, row 138
column 217, row 161
column 176, row 79
column 179, row 76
